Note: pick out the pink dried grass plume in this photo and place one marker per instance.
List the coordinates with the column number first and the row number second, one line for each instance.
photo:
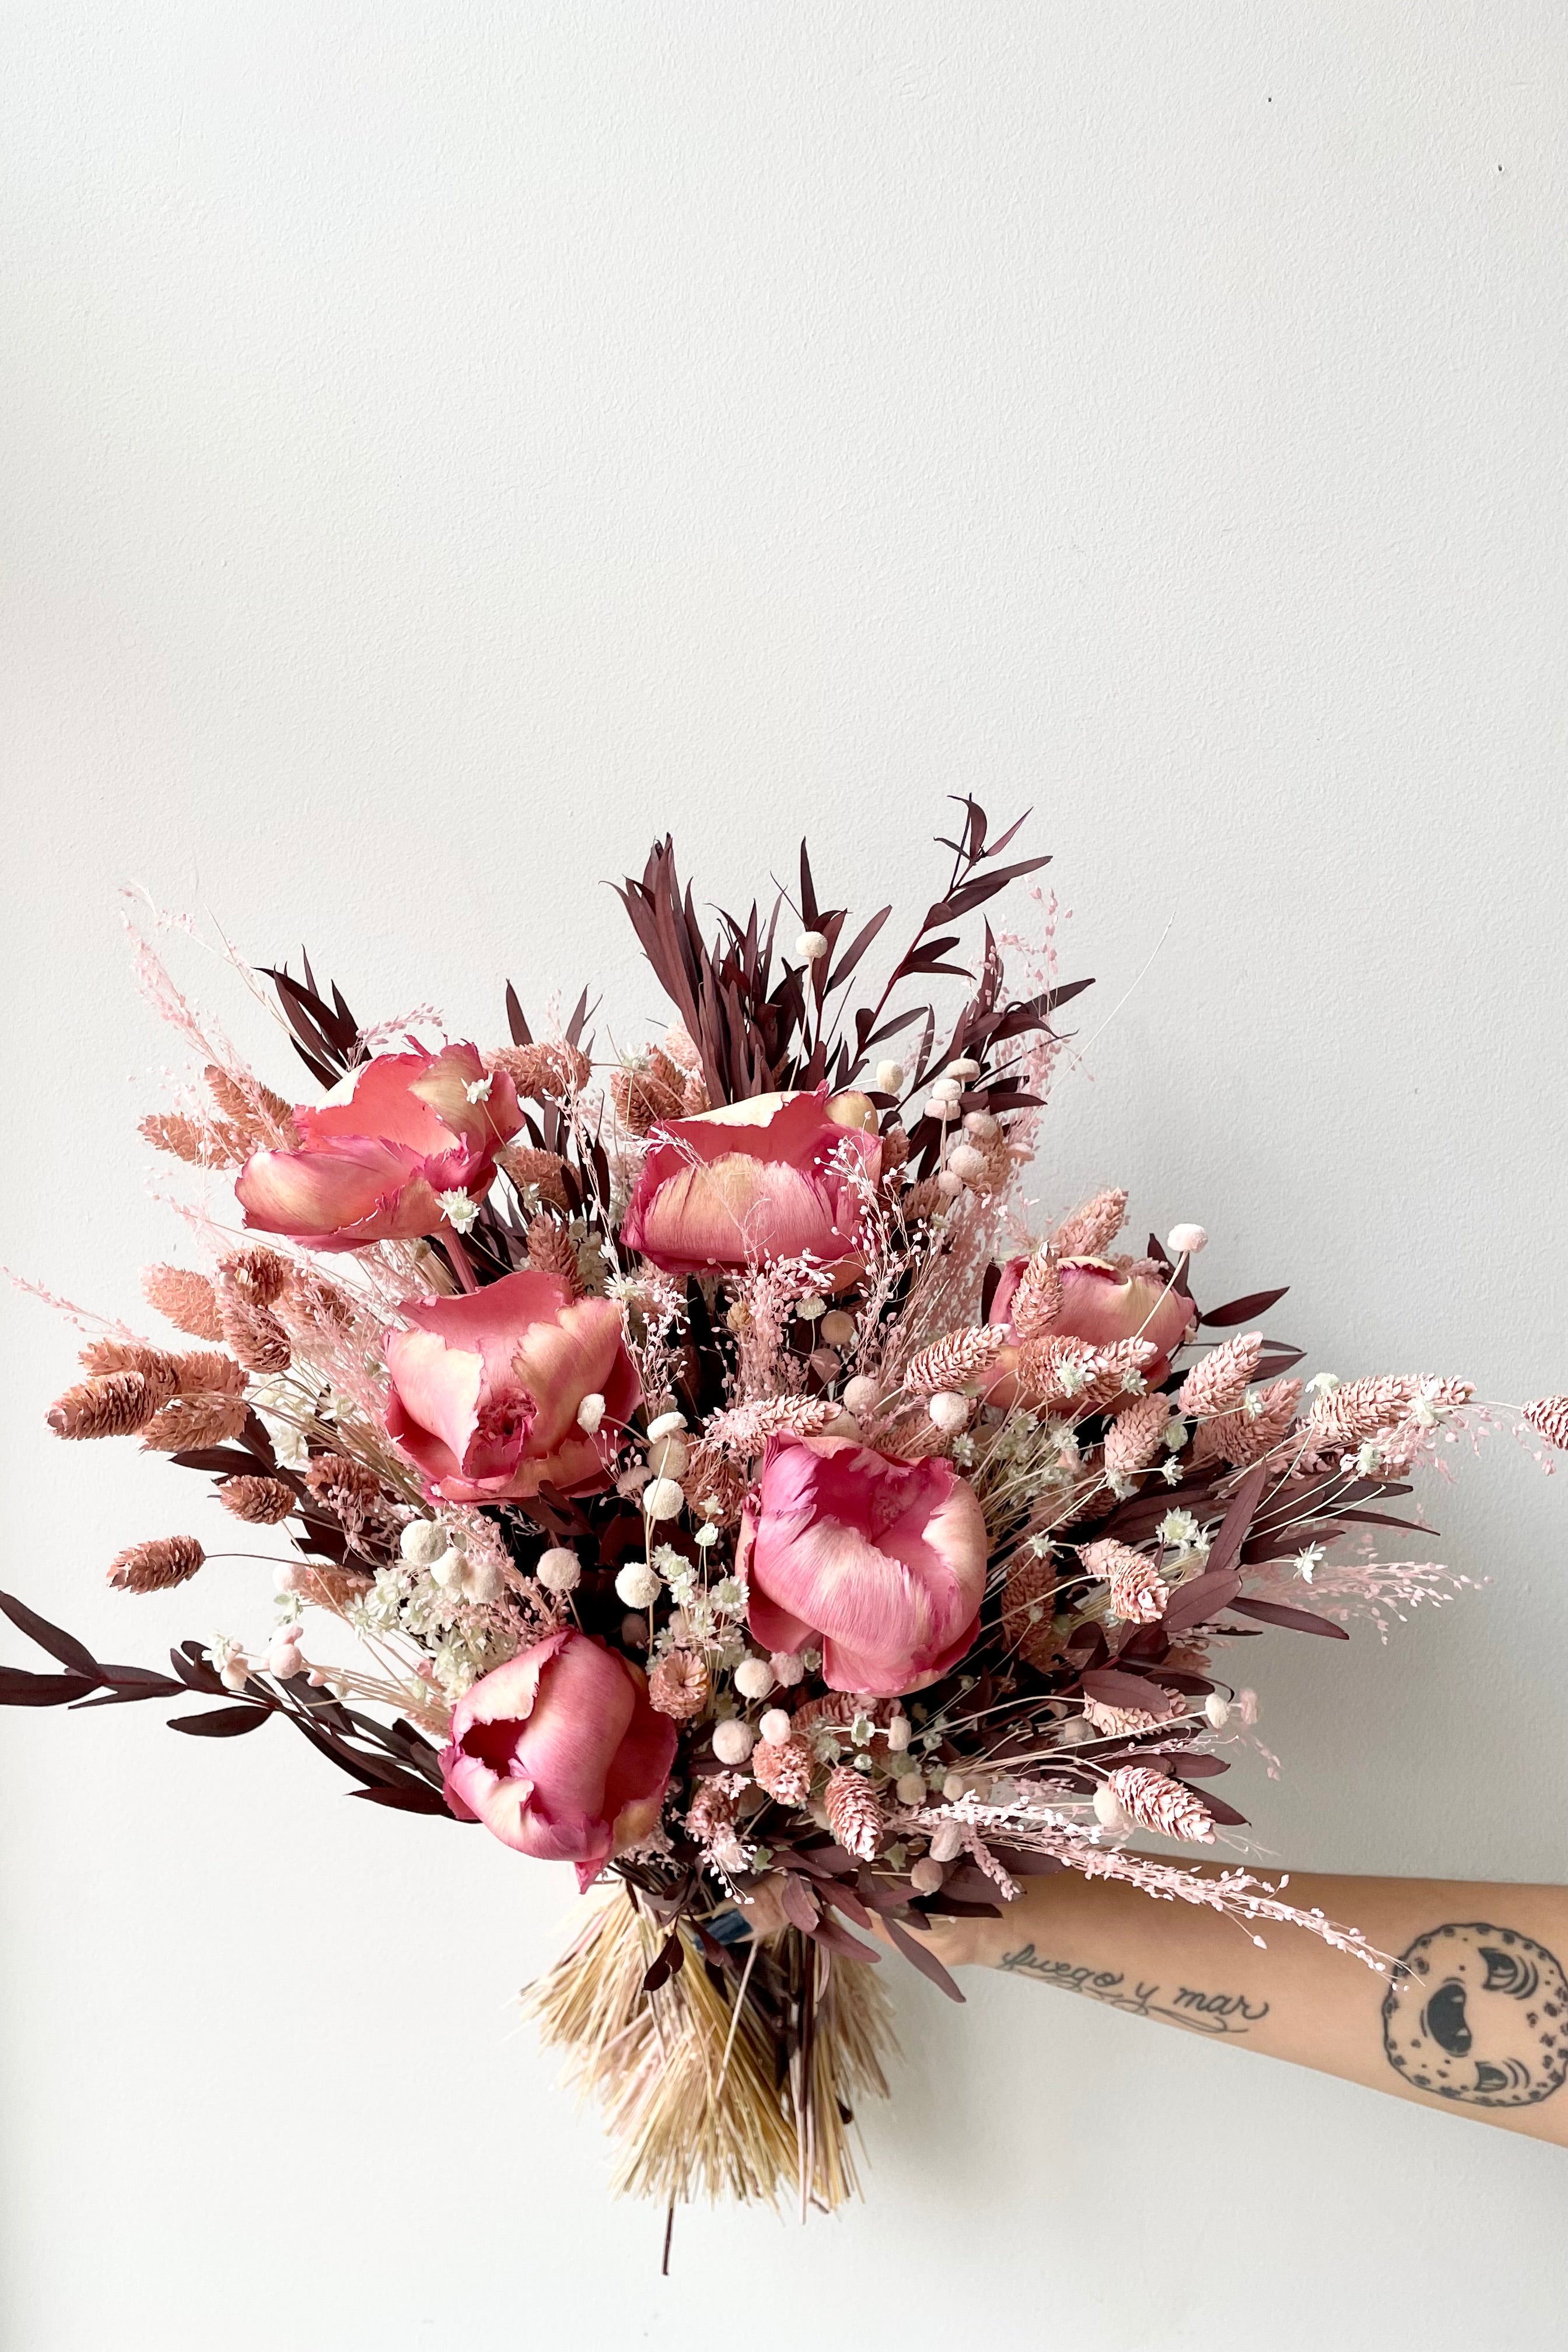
column 1548, row 1416
column 187, row 1424
column 199, row 1142
column 207, row 1371
column 354, row 1496
column 184, row 1299
column 548, row 1071
column 854, row 1815
column 1037, row 1301
column 1219, row 1382
column 1137, row 1594
column 256, row 1277
column 715, row 1489
column 256, row 1335
column 551, row 1250
column 263, row 1116
column 953, row 1361
column 1090, row 1230
column 784, row 1767
column 1118, row 1722
column 115, row 1405
column 260, row 1502
column 157, row 1367
column 1357, row 1412
column 1067, row 1374
column 1156, row 1802
column 154, row 1566
column 1137, row 1435
column 678, row 1685
column 326, row 1584
column 541, row 1170
column 1239, row 1438
column 746, row 1429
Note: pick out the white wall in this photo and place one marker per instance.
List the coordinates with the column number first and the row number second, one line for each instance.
column 446, row 444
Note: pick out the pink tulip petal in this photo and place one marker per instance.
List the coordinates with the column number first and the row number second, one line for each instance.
column 379, row 1103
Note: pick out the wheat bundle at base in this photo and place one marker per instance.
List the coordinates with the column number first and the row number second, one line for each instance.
column 744, row 2092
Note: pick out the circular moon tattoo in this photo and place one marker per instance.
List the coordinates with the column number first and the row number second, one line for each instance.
column 1479, row 2014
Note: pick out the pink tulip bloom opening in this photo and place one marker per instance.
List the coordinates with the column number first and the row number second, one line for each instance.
column 485, row 1389
column 560, row 1755
column 880, row 1559
column 372, row 1164
column 1101, row 1303
column 769, row 1177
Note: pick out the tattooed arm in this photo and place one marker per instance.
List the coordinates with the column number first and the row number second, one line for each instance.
column 1474, row 2020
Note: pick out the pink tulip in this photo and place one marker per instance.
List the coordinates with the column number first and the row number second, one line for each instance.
column 560, row 1755
column 881, row 1560
column 1102, row 1303
column 763, row 1179
column 485, row 1389
column 370, row 1166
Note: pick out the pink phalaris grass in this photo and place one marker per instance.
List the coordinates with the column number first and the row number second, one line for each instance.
column 1068, row 1374
column 551, row 1250
column 1136, row 1435
column 258, row 1276
column 1357, row 1412
column 783, row 1767
column 157, row 1367
column 207, row 1371
column 678, row 1685
column 1037, row 1301
column 746, row 1428
column 854, row 1815
column 645, row 1099
column 1155, row 1801
column 960, row 1356
column 113, row 1405
column 1239, row 1438
column 541, row 1170
column 199, row 1142
column 356, row 1498
column 187, row 1424
column 549, row 1071
column 256, row 1335
column 261, row 1502
column 715, row 1489
column 184, row 1299
column 1548, row 1416
column 1137, row 1594
column 1119, row 1722
column 1219, row 1382
column 154, row 1566
column 314, row 1299
column 324, row 1584
column 262, row 1116
column 1090, row 1231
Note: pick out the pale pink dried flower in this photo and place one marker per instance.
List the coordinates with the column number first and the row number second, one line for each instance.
column 746, row 1429
column 1066, row 1374
column 1090, row 1230
column 241, row 1098
column 157, row 1367
column 261, row 1502
column 548, row 1071
column 712, row 1807
column 678, row 1685
column 1118, row 1722
column 1219, row 1381
column 184, row 1299
column 1037, row 1301
column 1239, row 1438
column 1157, row 1802
column 256, row 1277
column 1137, row 1594
column 953, row 1361
column 154, row 1566
column 203, row 1371
column 854, row 1815
column 1135, row 1435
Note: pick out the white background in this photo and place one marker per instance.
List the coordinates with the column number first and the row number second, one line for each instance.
column 447, row 444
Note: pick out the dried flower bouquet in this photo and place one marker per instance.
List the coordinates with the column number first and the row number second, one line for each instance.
column 691, row 1468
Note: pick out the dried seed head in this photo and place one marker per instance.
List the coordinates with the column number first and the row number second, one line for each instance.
column 783, row 1767
column 112, row 1406
column 154, row 1566
column 854, row 1815
column 199, row 1142
column 547, row 1072
column 242, row 1098
column 184, row 1299
column 258, row 1277
column 262, row 1502
column 542, row 1170
column 207, row 1371
column 157, row 1367
column 678, row 1685
column 187, row 1424
column 254, row 1334
column 551, row 1250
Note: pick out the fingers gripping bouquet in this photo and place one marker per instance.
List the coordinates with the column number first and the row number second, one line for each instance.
column 691, row 1468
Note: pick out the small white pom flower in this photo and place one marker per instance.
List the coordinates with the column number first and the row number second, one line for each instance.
column 925, row 1876
column 590, row 1413
column 478, row 1090
column 954, row 1787
column 910, row 1789
column 811, row 947
column 668, row 1457
column 234, row 1671
column 662, row 1499
column 733, row 1741
column 460, row 1211
column 981, row 1125
column 1185, row 1241
column 944, row 1095
column 946, row 1841
column 837, row 1329
column 447, row 1571
column 889, row 1077
column 901, row 1731
column 638, row 1585
column 776, row 1727
column 422, row 1543
column 949, row 1412
column 967, row 1164
column 753, row 1678
column 788, row 1669
column 965, row 1070
column 949, row 1185
column 666, row 1425
column 283, row 1657
column 861, row 1394
column 560, row 1571
column 482, row 1580
column 812, row 1308
column 1217, row 1710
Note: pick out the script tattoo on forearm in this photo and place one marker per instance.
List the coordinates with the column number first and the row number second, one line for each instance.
column 1479, row 2014
column 1218, row 2014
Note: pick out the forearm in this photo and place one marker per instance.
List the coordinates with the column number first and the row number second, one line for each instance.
column 1476, row 2020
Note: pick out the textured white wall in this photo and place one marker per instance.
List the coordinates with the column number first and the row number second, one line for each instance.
column 446, row 444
